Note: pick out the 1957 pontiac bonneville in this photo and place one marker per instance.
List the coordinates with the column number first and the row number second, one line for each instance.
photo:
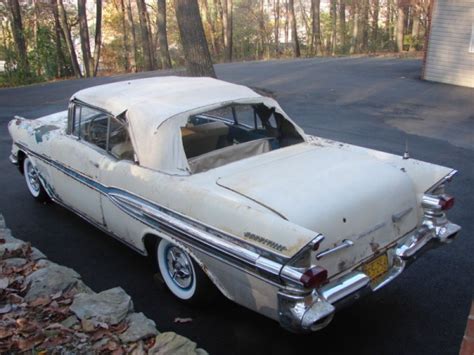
column 221, row 189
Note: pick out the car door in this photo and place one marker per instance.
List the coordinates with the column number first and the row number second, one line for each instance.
column 120, row 175
column 78, row 155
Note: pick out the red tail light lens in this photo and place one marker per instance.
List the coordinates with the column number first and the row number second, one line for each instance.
column 314, row 277
column 446, row 202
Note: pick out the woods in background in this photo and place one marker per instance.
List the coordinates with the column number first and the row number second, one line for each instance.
column 46, row 39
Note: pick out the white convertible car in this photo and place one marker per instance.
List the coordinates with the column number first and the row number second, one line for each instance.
column 223, row 190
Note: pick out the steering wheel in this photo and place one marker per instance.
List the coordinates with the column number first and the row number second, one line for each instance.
column 97, row 133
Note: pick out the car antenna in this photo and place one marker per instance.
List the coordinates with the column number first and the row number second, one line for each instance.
column 406, row 155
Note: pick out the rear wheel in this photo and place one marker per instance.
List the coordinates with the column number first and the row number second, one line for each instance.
column 183, row 277
column 33, row 182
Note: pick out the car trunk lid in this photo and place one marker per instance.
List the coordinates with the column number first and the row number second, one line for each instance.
column 344, row 195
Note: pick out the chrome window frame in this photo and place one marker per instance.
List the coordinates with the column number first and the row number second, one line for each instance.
column 72, row 119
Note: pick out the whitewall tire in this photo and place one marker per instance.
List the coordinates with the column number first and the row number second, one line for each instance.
column 183, row 277
column 33, row 181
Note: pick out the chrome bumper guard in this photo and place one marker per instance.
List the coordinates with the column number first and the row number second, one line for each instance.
column 315, row 310
column 13, row 159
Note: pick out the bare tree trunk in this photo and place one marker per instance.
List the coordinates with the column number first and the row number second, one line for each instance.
column 375, row 23
column 60, row 60
column 342, row 25
column 98, row 35
column 147, row 50
column 307, row 24
column 227, row 9
column 388, row 22
column 333, row 14
column 126, row 47
column 196, row 52
column 316, row 27
column 355, row 28
column 69, row 43
column 163, row 35
column 36, row 28
column 294, row 32
column 19, row 38
column 261, row 27
column 151, row 43
column 400, row 27
column 415, row 31
column 220, row 14
column 134, row 61
column 364, row 24
column 287, row 24
column 276, row 7
column 84, row 34
column 210, row 24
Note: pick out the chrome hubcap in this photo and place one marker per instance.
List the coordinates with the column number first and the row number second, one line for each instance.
column 179, row 267
column 32, row 176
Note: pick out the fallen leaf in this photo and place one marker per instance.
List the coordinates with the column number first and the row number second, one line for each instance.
column 119, row 328
column 183, row 320
column 65, row 301
column 112, row 345
column 99, row 334
column 57, row 295
column 14, row 298
column 118, row 351
column 5, row 333
column 30, row 342
column 87, row 325
column 40, row 301
column 55, row 341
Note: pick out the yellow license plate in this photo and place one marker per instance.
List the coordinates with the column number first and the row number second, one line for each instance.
column 376, row 267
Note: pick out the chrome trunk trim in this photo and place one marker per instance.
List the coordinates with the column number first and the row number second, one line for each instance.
column 346, row 243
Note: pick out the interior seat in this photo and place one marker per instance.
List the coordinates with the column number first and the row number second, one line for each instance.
column 203, row 138
column 123, row 151
column 229, row 154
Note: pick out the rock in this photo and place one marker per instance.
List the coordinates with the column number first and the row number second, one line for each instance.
column 36, row 254
column 80, row 287
column 99, row 345
column 110, row 306
column 14, row 262
column 70, row 321
column 44, row 263
column 171, row 343
column 6, row 234
column 12, row 249
column 4, row 282
column 139, row 327
column 50, row 280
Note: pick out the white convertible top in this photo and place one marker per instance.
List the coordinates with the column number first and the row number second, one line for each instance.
column 150, row 103
column 167, row 96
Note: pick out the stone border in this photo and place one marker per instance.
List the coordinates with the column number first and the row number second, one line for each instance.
column 47, row 307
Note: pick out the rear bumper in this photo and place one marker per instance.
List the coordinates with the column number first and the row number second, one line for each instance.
column 313, row 311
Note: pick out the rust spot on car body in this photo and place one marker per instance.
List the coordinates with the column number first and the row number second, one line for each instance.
column 341, row 265
column 42, row 131
column 374, row 246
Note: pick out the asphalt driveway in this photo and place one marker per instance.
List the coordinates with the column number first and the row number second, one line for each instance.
column 372, row 102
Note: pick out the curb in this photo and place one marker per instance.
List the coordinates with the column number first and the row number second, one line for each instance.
column 47, row 308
